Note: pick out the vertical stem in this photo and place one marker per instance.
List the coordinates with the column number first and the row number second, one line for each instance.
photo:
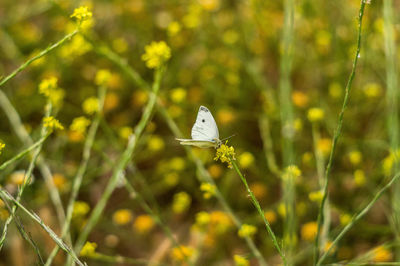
column 392, row 98
column 286, row 107
column 338, row 131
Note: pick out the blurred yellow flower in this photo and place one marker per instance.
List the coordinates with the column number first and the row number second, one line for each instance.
column 359, row 177
column 80, row 124
column 60, row 181
column 178, row 95
column 139, row 98
column 2, row 145
column 345, row 218
column 327, row 246
column 300, row 99
column 91, row 105
column 324, row 145
column 307, row 158
column 120, row 45
column 143, row 224
column 155, row 143
column 49, row 88
column 181, row 202
column 51, row 123
column 171, row 179
column 270, row 216
column 282, row 210
column 81, row 208
column 220, row 222
column 177, row 163
column 315, row 114
column 298, row 124
column 230, row 37
column 316, row 196
column 215, row 170
column 355, row 157
column 225, row 116
column 125, row 132
column 4, row 214
column 81, row 14
column 372, row 90
column 291, row 172
column 174, row 28
column 382, row 254
column 17, row 178
column 208, row 190
column 193, row 18
column 210, row 5
column 111, row 101
column 88, row 250
column 246, row 159
column 156, row 54
column 122, row 216
column 240, row 261
column 102, row 77
column 203, row 219
column 247, row 230
column 259, row 190
column 335, row 90
column 182, row 253
column 309, row 231
column 225, row 154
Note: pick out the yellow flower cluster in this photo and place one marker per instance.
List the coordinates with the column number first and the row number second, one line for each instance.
column 225, row 154
column 156, row 54
column 247, row 230
column 202, row 219
column 291, row 172
column 246, row 159
column 309, row 231
column 89, row 249
column 2, row 145
column 240, row 260
column 315, row 115
column 181, row 202
column 81, row 208
column 80, row 124
column 316, row 196
column 122, row 216
column 143, row 224
column 102, row 78
column 208, row 190
column 182, row 253
column 91, row 105
column 51, row 123
column 174, row 28
column 81, row 14
column 49, row 88
column 382, row 254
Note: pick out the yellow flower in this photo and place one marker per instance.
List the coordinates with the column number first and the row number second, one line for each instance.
column 335, row 90
column 122, row 216
column 182, row 253
column 359, row 177
column 291, row 172
column 156, row 54
column 171, row 179
column 91, row 105
column 111, row 101
column 48, row 87
column 102, row 78
column 215, row 171
column 120, row 45
column 125, row 132
column 155, row 143
column 315, row 114
column 372, row 90
column 225, row 154
column 300, row 99
column 210, row 5
column 246, row 159
column 60, row 181
column 173, row 28
column 316, row 196
column 2, row 145
column 225, row 116
column 81, row 208
column 220, row 222
column 344, row 219
column 177, row 164
column 309, row 231
column 247, row 230
column 17, row 177
column 328, row 245
column 240, row 260
column 89, row 249
column 208, row 190
column 181, row 202
column 143, row 224
column 270, row 216
column 324, row 146
column 178, row 95
column 203, row 219
column 52, row 123
column 282, row 210
column 382, row 254
column 81, row 14
column 355, row 157
column 79, row 124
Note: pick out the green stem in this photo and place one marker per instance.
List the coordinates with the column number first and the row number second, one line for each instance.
column 37, row 219
column 36, row 57
column 357, row 217
column 259, row 210
column 338, row 132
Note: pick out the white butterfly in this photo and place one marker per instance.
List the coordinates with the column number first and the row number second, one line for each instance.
column 204, row 131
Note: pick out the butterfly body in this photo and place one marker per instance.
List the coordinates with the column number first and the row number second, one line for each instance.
column 204, row 131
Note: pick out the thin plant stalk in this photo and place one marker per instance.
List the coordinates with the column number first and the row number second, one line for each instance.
column 38, row 56
column 338, row 133
column 203, row 175
column 27, row 179
column 357, row 217
column 259, row 210
column 392, row 100
column 37, row 219
column 81, row 171
column 123, row 161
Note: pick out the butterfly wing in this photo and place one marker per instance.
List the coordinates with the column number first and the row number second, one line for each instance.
column 205, row 128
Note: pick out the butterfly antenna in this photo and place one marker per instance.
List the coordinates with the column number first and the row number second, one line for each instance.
column 228, row 137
